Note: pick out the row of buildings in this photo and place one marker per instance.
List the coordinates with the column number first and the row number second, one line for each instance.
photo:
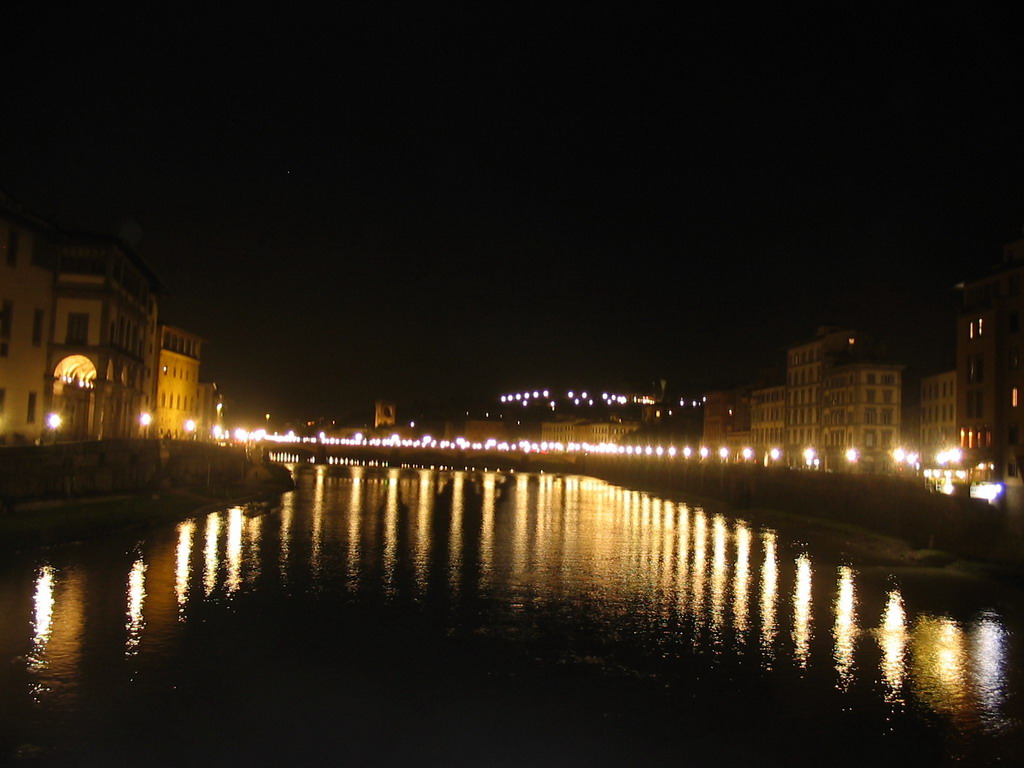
column 83, row 354
column 840, row 405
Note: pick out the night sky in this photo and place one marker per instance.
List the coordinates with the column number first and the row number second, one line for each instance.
column 399, row 202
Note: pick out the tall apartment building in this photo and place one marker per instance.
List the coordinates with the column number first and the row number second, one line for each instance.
column 805, row 364
column 861, row 412
column 990, row 377
column 843, row 403
column 938, row 430
column 178, row 408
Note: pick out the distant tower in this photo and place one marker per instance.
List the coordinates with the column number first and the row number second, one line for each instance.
column 384, row 414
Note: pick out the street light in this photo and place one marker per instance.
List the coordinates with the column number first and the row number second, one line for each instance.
column 53, row 421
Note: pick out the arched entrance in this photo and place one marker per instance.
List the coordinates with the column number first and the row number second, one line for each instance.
column 74, row 395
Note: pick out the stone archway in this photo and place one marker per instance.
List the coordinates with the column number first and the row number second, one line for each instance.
column 74, row 395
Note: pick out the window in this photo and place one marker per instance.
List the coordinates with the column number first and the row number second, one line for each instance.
column 871, row 395
column 6, row 317
column 869, row 438
column 887, row 396
column 870, row 416
column 30, row 417
column 37, row 327
column 12, row 247
column 889, row 379
column 887, row 415
column 1012, row 434
column 1013, row 322
column 871, row 378
column 975, row 368
column 78, row 328
column 1014, row 396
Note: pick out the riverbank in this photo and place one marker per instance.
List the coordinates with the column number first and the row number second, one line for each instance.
column 857, row 545
column 47, row 522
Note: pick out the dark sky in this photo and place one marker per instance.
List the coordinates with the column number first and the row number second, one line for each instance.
column 400, row 202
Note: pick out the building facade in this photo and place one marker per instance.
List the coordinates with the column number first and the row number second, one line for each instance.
column 805, row 363
column 938, row 430
column 101, row 351
column 26, row 316
column 178, row 411
column 80, row 344
column 727, row 420
column 860, row 414
column 768, row 420
column 990, row 377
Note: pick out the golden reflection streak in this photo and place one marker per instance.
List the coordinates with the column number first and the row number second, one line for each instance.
column 941, row 668
column 234, row 550
column 700, row 543
column 718, row 581
column 210, row 553
column 136, row 597
column 541, row 540
column 253, row 533
column 391, row 532
column 355, row 516
column 802, row 611
column 182, row 565
column 741, row 583
column 892, row 638
column 683, row 575
column 316, row 533
column 487, row 530
column 769, row 598
column 285, row 535
column 844, row 631
column 42, row 620
column 423, row 529
column 670, row 556
column 455, row 532
column 519, row 533
column 44, row 603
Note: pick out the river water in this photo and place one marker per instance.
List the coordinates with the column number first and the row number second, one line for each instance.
column 418, row 617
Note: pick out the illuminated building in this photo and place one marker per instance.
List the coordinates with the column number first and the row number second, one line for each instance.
column 990, row 377
column 78, row 318
column 177, row 413
column 566, row 431
column 860, row 413
column 101, row 352
column 26, row 311
column 938, row 430
column 767, row 419
column 804, row 365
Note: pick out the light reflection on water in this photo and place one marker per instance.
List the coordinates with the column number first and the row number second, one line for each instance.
column 530, row 539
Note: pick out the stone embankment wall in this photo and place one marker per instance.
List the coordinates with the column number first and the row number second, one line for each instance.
column 898, row 506
column 114, row 467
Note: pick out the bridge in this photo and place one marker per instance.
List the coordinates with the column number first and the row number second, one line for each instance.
column 896, row 505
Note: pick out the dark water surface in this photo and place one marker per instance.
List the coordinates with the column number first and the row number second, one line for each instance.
column 407, row 617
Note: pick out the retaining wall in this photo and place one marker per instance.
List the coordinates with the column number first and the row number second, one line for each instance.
column 113, row 467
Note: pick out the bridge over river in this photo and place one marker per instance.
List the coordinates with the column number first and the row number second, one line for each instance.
column 897, row 505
